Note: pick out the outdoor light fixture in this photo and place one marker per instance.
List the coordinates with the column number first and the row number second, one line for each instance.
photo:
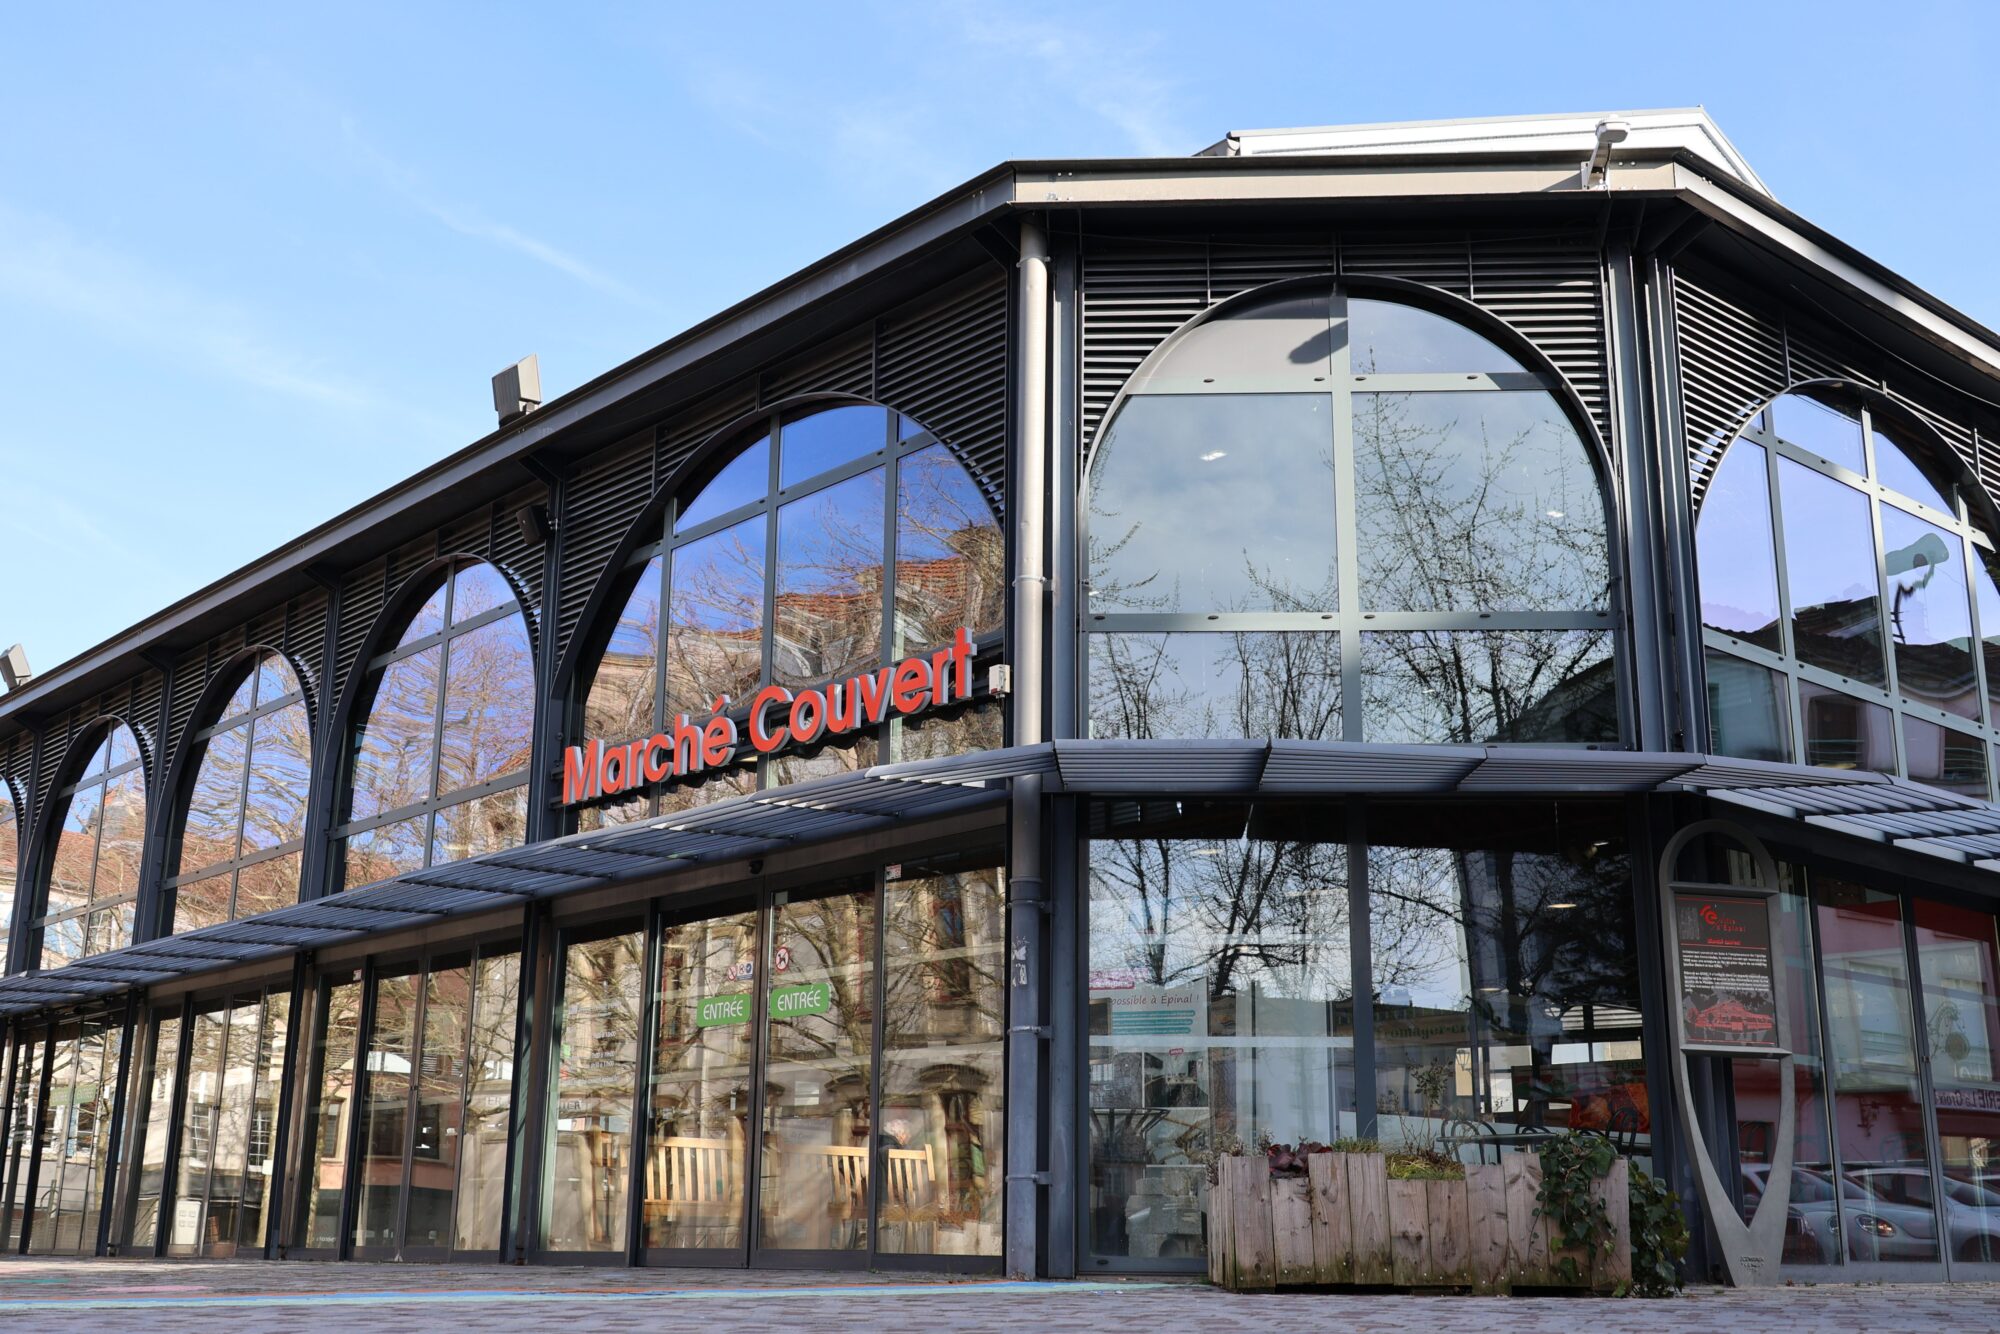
column 1609, row 132
column 14, row 669
column 517, row 391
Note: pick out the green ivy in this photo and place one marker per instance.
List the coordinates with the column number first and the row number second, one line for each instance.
column 1571, row 1165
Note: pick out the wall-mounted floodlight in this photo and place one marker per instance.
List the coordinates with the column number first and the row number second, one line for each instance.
column 1609, row 132
column 14, row 669
column 535, row 524
column 517, row 391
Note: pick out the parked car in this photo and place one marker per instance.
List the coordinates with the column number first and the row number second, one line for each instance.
column 1972, row 1211
column 1876, row 1229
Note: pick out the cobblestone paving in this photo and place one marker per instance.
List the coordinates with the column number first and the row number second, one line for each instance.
column 76, row 1295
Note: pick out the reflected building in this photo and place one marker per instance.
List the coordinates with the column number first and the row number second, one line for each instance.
column 1286, row 695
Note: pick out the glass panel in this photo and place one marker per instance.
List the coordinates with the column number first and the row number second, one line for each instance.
column 1221, row 1008
column 1895, row 469
column 1960, row 968
column 428, row 620
column 812, row 445
column 700, row 1132
column 156, row 1108
column 1930, row 616
column 936, row 738
column 1878, row 1110
column 489, row 705
column 476, row 589
column 1749, row 713
column 76, row 852
column 715, row 630
column 275, row 679
column 1944, row 757
column 819, row 1041
column 202, row 903
column 942, row 1167
column 200, row 1114
column 829, row 587
column 10, row 861
column 1505, row 978
column 21, row 1122
column 1476, row 502
column 268, row 886
column 1829, row 432
column 950, row 553
column 110, row 929
column 439, row 1134
column 1813, row 1229
column 47, row 1227
column 1181, row 512
column 1987, row 594
column 1206, row 685
column 260, row 1168
column 1280, row 342
column 394, row 748
column 242, row 701
column 228, row 1181
column 1843, row 732
column 1737, row 566
column 62, row 942
column 215, row 806
column 326, row 1121
column 744, row 479
column 120, row 748
column 280, row 779
column 385, row 851
column 1829, row 560
column 623, row 692
column 1389, row 338
column 118, row 851
column 386, row 1111
column 596, row 1080
column 827, row 762
column 482, row 1180
column 1475, row 686
column 484, row 824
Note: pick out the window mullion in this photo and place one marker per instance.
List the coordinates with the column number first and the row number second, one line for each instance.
column 1347, row 544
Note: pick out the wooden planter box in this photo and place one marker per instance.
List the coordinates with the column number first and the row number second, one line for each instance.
column 1346, row 1223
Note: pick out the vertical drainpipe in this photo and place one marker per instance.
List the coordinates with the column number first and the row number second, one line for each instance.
column 1026, row 893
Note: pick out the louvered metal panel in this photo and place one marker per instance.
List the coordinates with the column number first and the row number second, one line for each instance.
column 514, row 551
column 844, row 365
column 363, row 593
column 305, row 640
column 945, row 366
column 600, row 503
column 1134, row 296
column 683, row 434
column 405, row 561
column 1552, row 292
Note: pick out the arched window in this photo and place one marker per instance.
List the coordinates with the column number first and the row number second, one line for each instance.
column 829, row 540
column 439, row 766
column 1841, row 584
column 10, row 863
column 93, row 879
column 1328, row 515
column 244, row 824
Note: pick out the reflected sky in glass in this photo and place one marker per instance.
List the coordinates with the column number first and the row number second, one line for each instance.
column 829, row 594
column 1733, row 550
column 1389, row 338
column 745, row 478
column 1826, row 431
column 1214, row 503
column 1895, row 469
column 1477, row 501
column 715, row 633
column 825, row 440
column 1930, row 614
column 1830, row 565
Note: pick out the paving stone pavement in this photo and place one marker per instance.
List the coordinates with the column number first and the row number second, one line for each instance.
column 245, row 1296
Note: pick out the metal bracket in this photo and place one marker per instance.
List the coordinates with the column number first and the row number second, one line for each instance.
column 1039, row 1178
column 1042, row 1031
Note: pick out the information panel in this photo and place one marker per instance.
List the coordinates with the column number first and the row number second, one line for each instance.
column 1728, row 995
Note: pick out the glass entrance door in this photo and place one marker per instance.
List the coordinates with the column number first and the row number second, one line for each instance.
column 587, row 1174
column 228, row 1111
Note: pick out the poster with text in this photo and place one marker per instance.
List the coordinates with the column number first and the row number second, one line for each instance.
column 1728, row 997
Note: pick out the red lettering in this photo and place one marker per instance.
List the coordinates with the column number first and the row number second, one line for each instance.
column 812, row 705
column 910, row 684
column 843, row 711
column 615, row 768
column 940, row 678
column 658, row 768
column 687, row 746
column 874, row 695
column 766, row 742
column 961, row 657
column 583, row 772
column 718, row 740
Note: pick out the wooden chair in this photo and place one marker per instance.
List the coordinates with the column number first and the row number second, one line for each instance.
column 690, row 1179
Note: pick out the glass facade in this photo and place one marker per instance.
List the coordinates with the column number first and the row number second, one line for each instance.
column 91, row 885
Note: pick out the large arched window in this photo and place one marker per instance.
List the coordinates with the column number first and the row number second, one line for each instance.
column 1843, row 587
column 828, row 540
column 93, row 879
column 10, row 863
column 1328, row 515
column 244, row 824
column 439, row 766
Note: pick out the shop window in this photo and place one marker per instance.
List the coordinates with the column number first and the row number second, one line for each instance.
column 1837, row 565
column 92, row 881
column 243, row 819
column 1318, row 490
column 827, row 541
column 439, row 762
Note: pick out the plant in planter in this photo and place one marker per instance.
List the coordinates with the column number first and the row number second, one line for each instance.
column 1579, row 1212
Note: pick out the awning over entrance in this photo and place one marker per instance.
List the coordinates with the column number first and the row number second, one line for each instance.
column 1872, row 806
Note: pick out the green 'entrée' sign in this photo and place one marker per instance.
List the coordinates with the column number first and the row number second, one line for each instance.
column 715, row 1011
column 805, row 998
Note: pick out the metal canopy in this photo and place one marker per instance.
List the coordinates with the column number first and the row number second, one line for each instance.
column 1871, row 806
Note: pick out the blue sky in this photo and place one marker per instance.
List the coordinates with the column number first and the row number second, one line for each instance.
column 256, row 265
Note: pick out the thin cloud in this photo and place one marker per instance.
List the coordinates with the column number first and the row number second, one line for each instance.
column 44, row 263
column 469, row 222
column 1103, row 76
